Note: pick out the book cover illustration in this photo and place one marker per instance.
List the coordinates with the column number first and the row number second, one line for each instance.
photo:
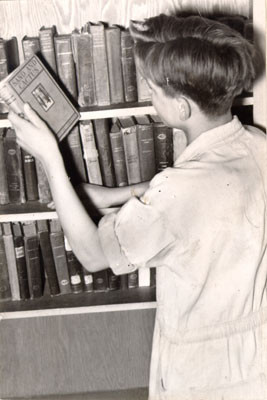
column 32, row 83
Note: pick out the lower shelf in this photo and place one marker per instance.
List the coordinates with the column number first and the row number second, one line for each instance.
column 117, row 300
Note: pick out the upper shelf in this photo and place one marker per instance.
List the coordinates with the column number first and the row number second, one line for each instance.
column 125, row 109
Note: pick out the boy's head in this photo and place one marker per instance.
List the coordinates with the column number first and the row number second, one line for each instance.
column 196, row 57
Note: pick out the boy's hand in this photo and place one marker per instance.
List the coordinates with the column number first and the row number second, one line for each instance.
column 33, row 135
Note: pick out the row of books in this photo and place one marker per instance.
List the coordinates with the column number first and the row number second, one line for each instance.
column 36, row 260
column 107, row 152
column 94, row 65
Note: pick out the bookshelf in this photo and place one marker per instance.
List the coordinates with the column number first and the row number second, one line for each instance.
column 101, row 341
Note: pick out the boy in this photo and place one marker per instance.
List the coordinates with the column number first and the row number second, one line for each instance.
column 201, row 223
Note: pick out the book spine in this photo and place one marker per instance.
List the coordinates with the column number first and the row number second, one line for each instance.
column 12, row 51
column 34, row 268
column 75, row 272
column 153, row 276
column 114, row 281
column 128, row 67
column 3, row 71
column 124, row 281
column 30, row 46
column 87, row 280
column 59, row 254
column 82, row 45
column 48, row 262
column 4, row 197
column 143, row 277
column 13, row 164
column 30, row 176
column 100, row 65
column 46, row 37
column 146, row 150
column 44, row 192
column 133, row 280
column 11, row 262
column 104, row 151
column 72, row 149
column 90, row 153
column 113, row 44
column 65, row 64
column 118, row 156
column 5, row 290
column 131, row 154
column 100, row 281
column 21, row 267
column 163, row 147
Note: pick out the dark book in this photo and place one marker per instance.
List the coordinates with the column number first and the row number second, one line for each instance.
column 59, row 254
column 124, row 281
column 30, row 46
column 143, row 90
column 32, row 83
column 33, row 259
column 129, row 135
column 46, row 37
column 4, row 196
column 75, row 269
column 20, row 261
column 145, row 140
column 100, row 281
column 100, row 64
column 163, row 139
column 14, row 171
column 118, row 154
column 101, row 129
column 113, row 45
column 153, row 276
column 65, row 65
column 47, row 257
column 82, row 48
column 90, row 152
column 114, row 281
column 133, row 280
column 11, row 260
column 128, row 67
column 30, row 176
column 73, row 156
column 5, row 290
column 9, row 60
column 44, row 191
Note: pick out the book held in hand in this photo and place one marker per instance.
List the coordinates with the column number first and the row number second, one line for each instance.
column 32, row 83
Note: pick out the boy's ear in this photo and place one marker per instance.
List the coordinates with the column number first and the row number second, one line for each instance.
column 184, row 108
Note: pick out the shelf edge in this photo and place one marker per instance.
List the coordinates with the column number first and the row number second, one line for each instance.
column 77, row 310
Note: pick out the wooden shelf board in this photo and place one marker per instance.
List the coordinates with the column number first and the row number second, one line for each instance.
column 126, row 109
column 33, row 210
column 80, row 303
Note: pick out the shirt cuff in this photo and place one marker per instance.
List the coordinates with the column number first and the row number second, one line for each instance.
column 118, row 261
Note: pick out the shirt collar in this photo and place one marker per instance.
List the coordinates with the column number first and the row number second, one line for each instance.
column 209, row 139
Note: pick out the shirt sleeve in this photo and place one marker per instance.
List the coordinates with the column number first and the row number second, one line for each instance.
column 133, row 236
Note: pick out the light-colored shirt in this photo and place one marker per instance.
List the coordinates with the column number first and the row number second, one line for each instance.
column 203, row 225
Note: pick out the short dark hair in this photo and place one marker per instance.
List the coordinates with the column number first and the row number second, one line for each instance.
column 197, row 57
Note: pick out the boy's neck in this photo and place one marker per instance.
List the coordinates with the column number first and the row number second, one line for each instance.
column 200, row 123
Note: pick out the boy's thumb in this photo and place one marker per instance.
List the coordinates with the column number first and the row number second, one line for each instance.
column 32, row 116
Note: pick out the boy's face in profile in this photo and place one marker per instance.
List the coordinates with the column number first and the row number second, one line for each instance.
column 163, row 104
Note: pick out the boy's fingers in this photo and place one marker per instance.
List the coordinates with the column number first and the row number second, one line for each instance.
column 16, row 120
column 32, row 116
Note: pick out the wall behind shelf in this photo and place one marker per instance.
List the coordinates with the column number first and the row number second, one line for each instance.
column 25, row 17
